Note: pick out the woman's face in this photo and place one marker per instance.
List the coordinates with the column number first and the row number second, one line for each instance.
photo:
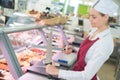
column 96, row 19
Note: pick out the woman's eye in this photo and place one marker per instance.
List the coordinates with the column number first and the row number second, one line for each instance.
column 92, row 17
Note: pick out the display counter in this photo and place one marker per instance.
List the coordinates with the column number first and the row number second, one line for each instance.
column 8, row 49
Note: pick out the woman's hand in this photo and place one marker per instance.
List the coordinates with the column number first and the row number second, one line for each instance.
column 68, row 49
column 51, row 69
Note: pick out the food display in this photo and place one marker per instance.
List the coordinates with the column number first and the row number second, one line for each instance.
column 25, row 38
column 33, row 37
column 50, row 19
column 25, row 58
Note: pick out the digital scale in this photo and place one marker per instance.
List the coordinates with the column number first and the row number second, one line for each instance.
column 65, row 59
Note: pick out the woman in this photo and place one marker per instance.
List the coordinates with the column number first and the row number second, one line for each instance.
column 95, row 49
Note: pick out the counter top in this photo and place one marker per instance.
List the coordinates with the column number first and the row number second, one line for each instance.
column 30, row 76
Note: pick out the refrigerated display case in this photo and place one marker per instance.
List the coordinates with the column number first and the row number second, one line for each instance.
column 23, row 39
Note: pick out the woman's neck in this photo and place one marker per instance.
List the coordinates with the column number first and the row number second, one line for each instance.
column 102, row 28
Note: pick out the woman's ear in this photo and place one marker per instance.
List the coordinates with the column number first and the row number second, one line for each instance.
column 106, row 17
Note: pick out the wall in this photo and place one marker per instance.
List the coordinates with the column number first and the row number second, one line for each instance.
column 38, row 5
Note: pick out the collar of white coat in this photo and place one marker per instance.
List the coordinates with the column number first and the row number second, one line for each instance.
column 101, row 34
column 104, row 33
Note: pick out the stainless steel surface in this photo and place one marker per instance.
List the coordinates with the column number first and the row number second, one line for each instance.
column 33, row 76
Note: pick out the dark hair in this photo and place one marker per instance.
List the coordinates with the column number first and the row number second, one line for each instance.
column 110, row 18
